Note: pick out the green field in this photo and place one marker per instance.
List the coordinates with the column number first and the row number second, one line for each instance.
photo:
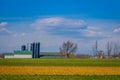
column 60, row 62
column 59, row 77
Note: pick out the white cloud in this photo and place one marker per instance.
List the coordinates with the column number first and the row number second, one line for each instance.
column 90, row 33
column 94, row 28
column 52, row 22
column 67, row 27
column 19, row 34
column 23, row 34
column 116, row 30
column 4, row 31
column 3, row 24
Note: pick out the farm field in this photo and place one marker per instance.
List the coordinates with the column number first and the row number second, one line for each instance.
column 60, row 62
column 59, row 77
column 60, row 69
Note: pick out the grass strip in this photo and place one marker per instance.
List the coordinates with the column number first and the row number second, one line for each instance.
column 59, row 77
column 60, row 62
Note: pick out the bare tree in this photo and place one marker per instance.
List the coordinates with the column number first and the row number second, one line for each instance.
column 109, row 48
column 94, row 49
column 67, row 48
column 100, row 54
column 116, row 48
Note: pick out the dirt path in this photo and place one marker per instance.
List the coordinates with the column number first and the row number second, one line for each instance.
column 59, row 70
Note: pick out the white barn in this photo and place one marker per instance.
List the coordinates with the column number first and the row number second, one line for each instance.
column 19, row 54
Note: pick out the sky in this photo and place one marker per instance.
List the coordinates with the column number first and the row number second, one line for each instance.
column 53, row 22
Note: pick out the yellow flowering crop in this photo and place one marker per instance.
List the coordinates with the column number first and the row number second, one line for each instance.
column 59, row 70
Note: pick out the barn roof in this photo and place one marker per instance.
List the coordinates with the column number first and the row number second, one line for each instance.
column 49, row 53
column 23, row 52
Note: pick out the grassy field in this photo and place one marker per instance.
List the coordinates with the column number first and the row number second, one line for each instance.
column 69, row 69
column 59, row 77
column 60, row 62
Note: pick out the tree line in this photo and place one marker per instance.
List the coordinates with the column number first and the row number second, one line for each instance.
column 68, row 50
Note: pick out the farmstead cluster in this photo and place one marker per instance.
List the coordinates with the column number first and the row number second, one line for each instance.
column 31, row 51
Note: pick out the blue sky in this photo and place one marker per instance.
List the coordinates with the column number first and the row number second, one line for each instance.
column 54, row 21
column 88, row 8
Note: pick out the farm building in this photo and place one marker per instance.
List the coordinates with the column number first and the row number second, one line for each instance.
column 19, row 54
column 50, row 55
column 32, row 51
column 28, row 54
column 22, row 54
column 8, row 55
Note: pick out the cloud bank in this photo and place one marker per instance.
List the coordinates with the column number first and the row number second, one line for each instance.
column 3, row 24
column 53, row 31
